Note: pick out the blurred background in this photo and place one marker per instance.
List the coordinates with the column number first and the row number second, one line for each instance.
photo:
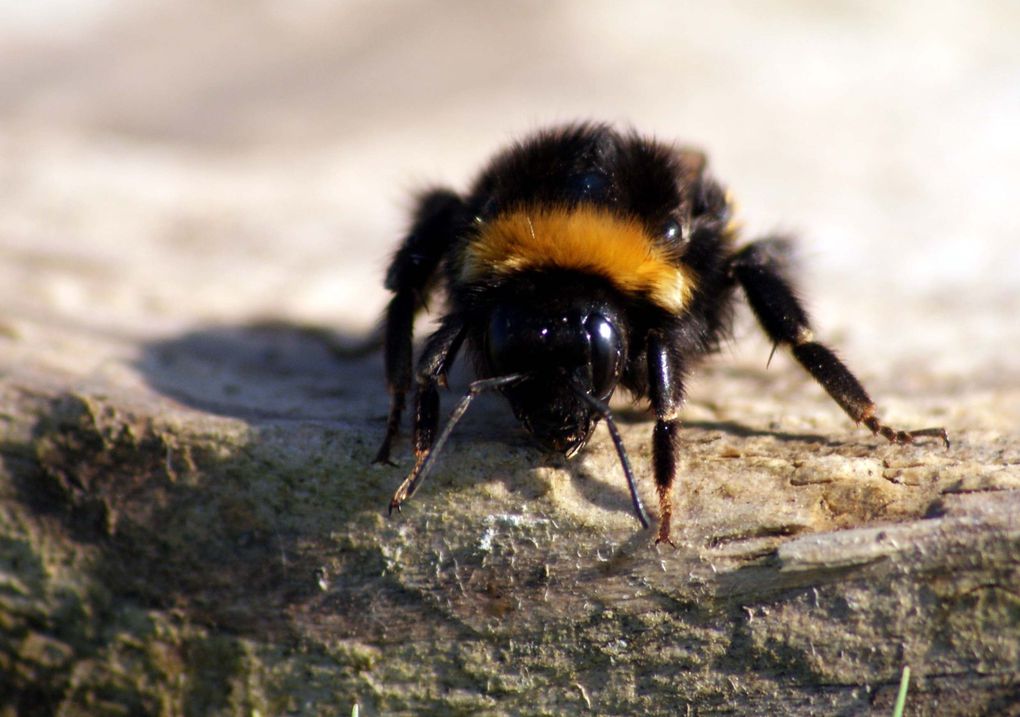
column 166, row 165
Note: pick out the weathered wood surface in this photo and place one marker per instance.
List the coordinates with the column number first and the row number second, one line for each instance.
column 189, row 523
column 177, row 551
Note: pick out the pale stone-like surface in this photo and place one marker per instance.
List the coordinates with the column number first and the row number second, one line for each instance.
column 188, row 519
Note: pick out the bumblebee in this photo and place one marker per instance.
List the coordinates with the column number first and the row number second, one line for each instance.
column 582, row 259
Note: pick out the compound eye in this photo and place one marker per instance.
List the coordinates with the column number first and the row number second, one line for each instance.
column 673, row 232
column 606, row 355
column 513, row 340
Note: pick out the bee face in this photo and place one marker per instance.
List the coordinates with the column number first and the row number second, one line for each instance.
column 564, row 351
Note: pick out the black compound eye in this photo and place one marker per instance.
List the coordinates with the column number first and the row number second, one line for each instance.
column 672, row 231
column 606, row 355
column 516, row 340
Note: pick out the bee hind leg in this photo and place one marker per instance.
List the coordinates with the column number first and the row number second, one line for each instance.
column 761, row 270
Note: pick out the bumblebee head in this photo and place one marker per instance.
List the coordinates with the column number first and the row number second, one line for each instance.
column 569, row 343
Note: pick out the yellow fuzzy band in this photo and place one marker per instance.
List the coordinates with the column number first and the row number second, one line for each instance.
column 583, row 238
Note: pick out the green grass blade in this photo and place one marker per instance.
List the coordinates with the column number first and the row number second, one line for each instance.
column 901, row 698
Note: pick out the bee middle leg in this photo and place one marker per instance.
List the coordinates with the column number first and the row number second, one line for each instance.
column 410, row 277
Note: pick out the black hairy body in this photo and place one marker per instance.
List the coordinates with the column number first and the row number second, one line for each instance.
column 582, row 259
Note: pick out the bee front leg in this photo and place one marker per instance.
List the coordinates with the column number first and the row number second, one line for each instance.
column 437, row 358
column 666, row 391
